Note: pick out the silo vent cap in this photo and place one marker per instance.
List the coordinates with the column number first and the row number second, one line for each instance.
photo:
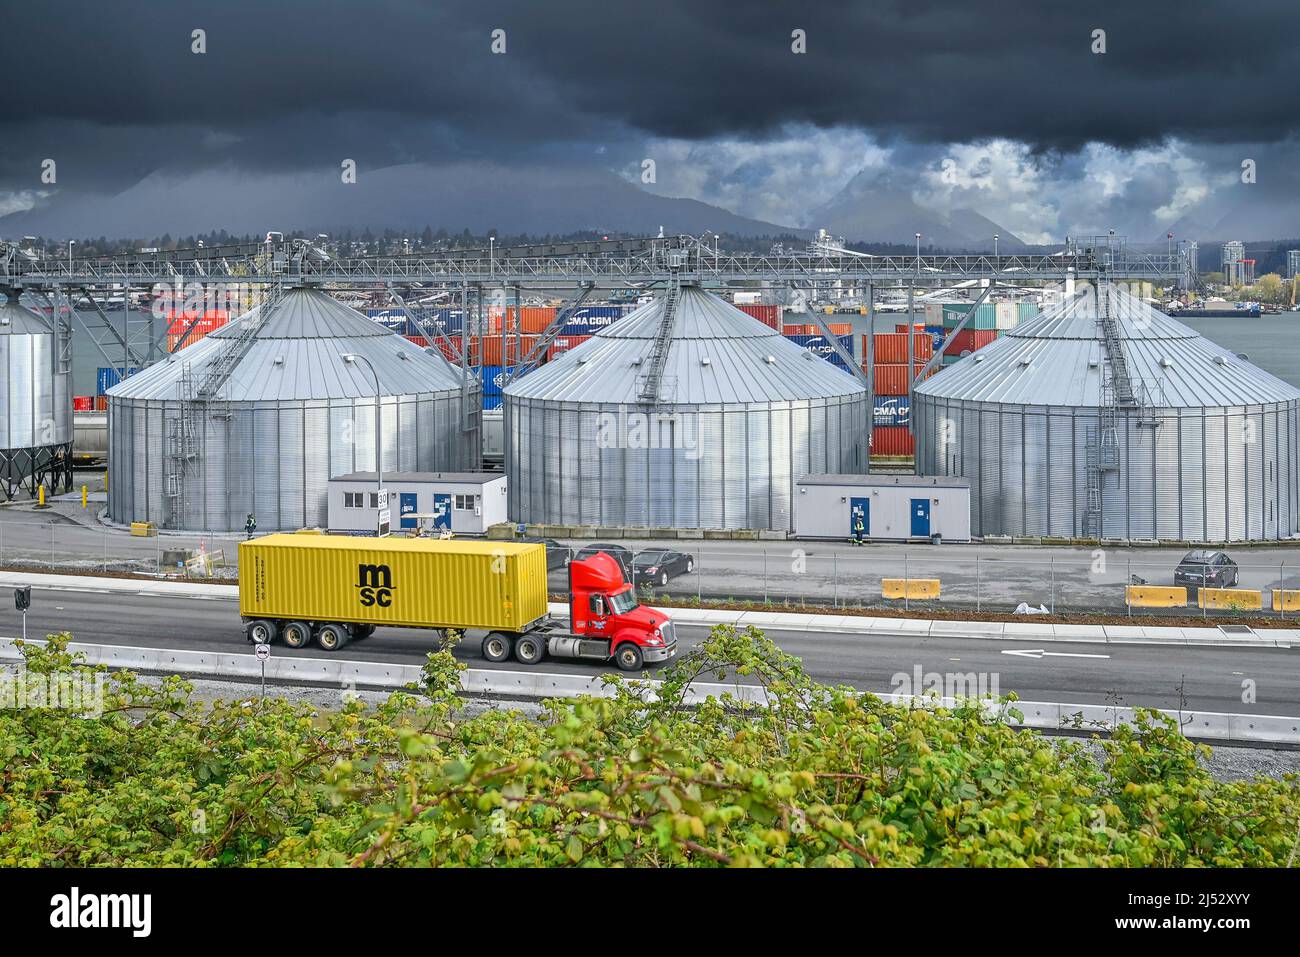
column 704, row 361
column 771, row 360
column 1166, row 362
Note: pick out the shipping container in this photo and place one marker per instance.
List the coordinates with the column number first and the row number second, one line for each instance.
column 101, row 403
column 563, row 344
column 83, row 403
column 533, row 319
column 500, row 350
column 1006, row 315
column 768, row 315
column 985, row 317
column 969, row 340
column 902, row 326
column 891, row 378
column 822, row 347
column 890, row 440
column 840, row 328
column 892, row 410
column 105, row 379
column 403, row 582
column 588, row 320
column 892, row 346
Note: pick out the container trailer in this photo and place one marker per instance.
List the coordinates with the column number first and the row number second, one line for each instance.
column 336, row 589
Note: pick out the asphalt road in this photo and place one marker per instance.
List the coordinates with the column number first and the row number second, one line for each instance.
column 991, row 578
column 1124, row 675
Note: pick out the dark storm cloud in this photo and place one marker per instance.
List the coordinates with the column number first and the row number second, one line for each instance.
column 114, row 88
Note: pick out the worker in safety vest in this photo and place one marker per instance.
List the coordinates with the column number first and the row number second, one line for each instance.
column 858, row 528
column 250, row 525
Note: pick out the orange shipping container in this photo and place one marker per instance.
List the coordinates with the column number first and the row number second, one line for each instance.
column 840, row 328
column 533, row 318
column 500, row 350
column 892, row 346
column 894, row 440
column 769, row 316
column 890, row 378
column 101, row 403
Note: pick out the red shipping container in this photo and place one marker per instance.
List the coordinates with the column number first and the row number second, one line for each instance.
column 420, row 341
column 83, row 403
column 892, row 440
column 890, row 378
column 101, row 403
column 892, row 346
column 563, row 344
column 800, row 329
column 968, row 340
column 902, row 326
column 769, row 316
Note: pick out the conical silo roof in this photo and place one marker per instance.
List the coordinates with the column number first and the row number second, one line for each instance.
column 297, row 352
column 1058, row 358
column 717, row 355
column 18, row 320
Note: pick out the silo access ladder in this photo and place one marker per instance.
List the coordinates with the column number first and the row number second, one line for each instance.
column 218, row 371
column 651, row 381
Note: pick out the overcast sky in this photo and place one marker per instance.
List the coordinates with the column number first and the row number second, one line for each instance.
column 1000, row 105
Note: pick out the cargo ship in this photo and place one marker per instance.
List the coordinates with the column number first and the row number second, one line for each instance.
column 1214, row 309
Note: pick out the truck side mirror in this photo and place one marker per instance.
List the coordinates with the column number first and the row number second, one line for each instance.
column 597, row 604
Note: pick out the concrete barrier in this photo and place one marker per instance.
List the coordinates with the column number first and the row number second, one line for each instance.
column 1234, row 599
column 1287, row 599
column 143, row 529
column 1155, row 596
column 911, row 588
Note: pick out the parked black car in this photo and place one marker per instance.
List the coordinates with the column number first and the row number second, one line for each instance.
column 1208, row 569
column 619, row 553
column 659, row 565
column 557, row 555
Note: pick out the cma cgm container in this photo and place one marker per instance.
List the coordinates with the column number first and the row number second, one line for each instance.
column 892, row 410
column 589, row 320
column 822, row 346
column 494, row 380
column 335, row 589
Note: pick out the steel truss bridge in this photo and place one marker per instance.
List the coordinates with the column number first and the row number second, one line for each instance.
column 573, row 270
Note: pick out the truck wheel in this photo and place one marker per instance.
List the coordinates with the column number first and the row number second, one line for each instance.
column 297, row 634
column 332, row 637
column 262, row 631
column 496, row 646
column 363, row 631
column 529, row 649
column 628, row 657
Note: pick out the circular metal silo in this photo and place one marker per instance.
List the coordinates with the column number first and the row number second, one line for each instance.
column 1105, row 418
column 257, row 417
column 705, row 422
column 35, row 402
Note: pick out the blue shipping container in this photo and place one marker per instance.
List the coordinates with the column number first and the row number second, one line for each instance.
column 822, row 346
column 589, row 320
column 893, row 410
column 107, row 378
column 493, row 382
column 492, row 401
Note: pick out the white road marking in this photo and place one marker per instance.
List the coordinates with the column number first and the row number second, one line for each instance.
column 1039, row 653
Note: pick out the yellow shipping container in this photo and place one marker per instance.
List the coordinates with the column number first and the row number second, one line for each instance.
column 402, row 582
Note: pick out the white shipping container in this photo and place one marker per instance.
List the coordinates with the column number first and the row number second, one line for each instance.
column 1006, row 315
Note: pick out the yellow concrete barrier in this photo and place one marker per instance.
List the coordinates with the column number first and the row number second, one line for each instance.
column 1286, row 599
column 909, row 587
column 1233, row 599
column 1155, row 596
column 143, row 529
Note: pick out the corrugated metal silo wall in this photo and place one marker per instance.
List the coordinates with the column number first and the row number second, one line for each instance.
column 35, row 397
column 711, row 466
column 1200, row 475
column 274, row 459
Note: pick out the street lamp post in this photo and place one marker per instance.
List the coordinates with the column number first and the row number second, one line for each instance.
column 918, row 252
column 71, row 243
column 995, row 246
column 492, row 255
column 352, row 357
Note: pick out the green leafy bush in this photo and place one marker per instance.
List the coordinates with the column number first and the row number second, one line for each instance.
column 818, row 777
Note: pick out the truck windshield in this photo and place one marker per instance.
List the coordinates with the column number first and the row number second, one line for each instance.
column 623, row 602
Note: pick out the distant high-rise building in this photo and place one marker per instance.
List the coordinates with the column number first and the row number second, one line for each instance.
column 1189, row 263
column 1232, row 265
column 1292, row 263
column 1247, row 272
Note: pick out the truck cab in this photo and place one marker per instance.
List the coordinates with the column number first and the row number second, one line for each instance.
column 603, row 607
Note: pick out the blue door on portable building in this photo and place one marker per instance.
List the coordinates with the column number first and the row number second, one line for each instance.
column 860, row 506
column 405, row 506
column 920, row 518
column 441, row 511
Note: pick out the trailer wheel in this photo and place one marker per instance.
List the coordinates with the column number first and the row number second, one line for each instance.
column 363, row 631
column 496, row 646
column 529, row 649
column 332, row 637
column 628, row 657
column 297, row 634
column 262, row 631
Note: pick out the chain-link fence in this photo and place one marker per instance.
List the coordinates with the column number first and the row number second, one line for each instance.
column 816, row 576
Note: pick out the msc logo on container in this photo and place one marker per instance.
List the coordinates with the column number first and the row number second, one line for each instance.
column 376, row 585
